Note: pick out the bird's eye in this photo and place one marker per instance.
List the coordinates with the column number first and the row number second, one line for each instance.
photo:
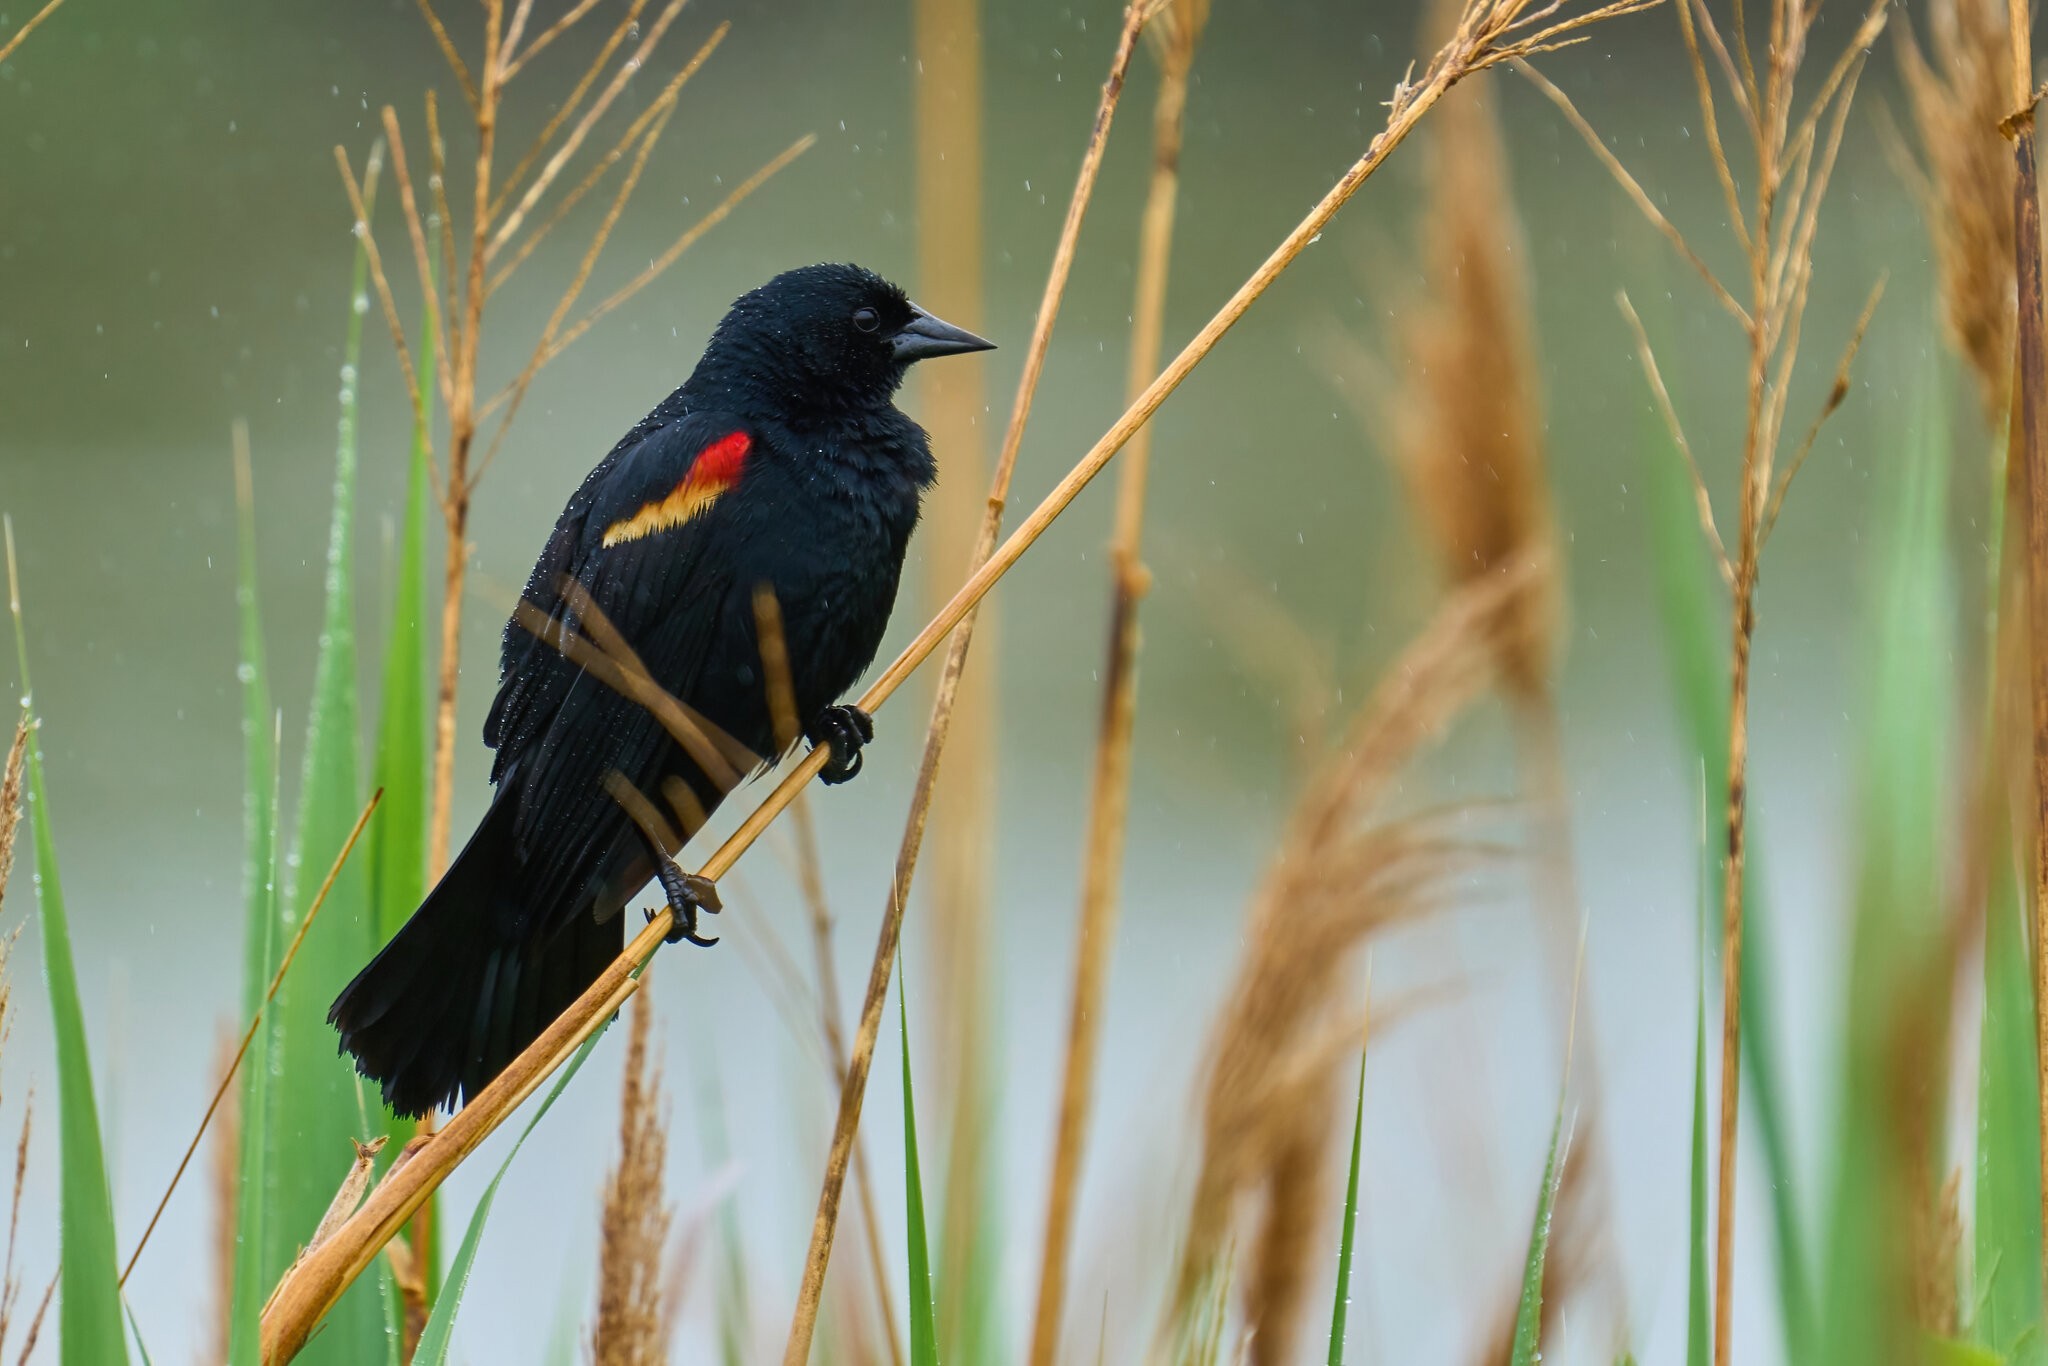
column 866, row 319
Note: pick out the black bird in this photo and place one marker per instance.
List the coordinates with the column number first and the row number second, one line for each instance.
column 782, row 462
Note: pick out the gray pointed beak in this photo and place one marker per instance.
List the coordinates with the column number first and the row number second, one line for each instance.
column 925, row 336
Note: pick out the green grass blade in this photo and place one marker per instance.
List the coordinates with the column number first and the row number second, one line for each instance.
column 924, row 1329
column 434, row 1340
column 1526, row 1348
column 1340, row 1300
column 251, row 1285
column 1884, row 1171
column 2007, row 1263
column 1698, row 1331
column 397, row 840
column 141, row 1347
column 314, row 1109
column 1693, row 615
column 89, row 1317
column 259, row 922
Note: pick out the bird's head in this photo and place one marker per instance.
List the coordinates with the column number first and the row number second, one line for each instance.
column 832, row 335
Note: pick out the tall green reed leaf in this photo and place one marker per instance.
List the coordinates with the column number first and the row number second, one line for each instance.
column 924, row 1330
column 259, row 923
column 1693, row 614
column 1340, row 1299
column 433, row 1348
column 315, row 1109
column 2007, row 1261
column 1526, row 1348
column 398, row 841
column 1699, row 1343
column 1888, row 1136
column 89, row 1316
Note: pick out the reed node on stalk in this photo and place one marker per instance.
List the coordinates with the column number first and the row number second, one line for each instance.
column 1490, row 33
column 634, row 1316
column 1794, row 143
column 1344, row 869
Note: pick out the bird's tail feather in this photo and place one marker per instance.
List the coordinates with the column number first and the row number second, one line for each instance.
column 468, row 982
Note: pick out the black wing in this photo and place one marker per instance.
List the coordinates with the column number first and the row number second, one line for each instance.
column 559, row 731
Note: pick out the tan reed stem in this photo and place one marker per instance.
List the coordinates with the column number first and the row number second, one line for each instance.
column 2029, row 450
column 21, row 34
column 774, row 646
column 825, row 1224
column 1109, row 789
column 313, row 1286
column 249, row 1034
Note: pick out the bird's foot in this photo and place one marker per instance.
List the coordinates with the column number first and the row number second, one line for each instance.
column 843, row 730
column 687, row 894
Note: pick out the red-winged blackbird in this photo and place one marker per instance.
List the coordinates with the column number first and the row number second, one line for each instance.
column 781, row 462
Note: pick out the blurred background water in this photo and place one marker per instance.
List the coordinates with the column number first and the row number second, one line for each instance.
column 174, row 249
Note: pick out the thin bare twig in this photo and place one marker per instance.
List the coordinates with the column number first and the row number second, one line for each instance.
column 21, row 34
column 1838, row 392
column 1701, row 500
column 248, row 1035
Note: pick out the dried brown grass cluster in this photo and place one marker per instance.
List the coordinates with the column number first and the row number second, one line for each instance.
column 635, row 1315
column 1344, row 869
column 1468, row 431
column 10, row 1274
column 1956, row 91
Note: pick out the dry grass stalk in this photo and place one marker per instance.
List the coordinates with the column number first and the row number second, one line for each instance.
column 2028, row 449
column 249, row 1035
column 10, row 825
column 1492, row 32
column 632, row 1280
column 1958, row 100
column 455, row 310
column 21, row 34
column 1175, row 34
column 409, row 1278
column 947, row 117
column 1269, row 1092
column 824, row 1226
column 224, row 1188
column 10, row 818
column 1794, row 145
column 811, row 883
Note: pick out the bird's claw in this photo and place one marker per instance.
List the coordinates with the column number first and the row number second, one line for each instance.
column 843, row 730
column 687, row 893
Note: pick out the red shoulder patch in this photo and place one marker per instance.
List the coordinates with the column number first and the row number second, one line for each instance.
column 716, row 469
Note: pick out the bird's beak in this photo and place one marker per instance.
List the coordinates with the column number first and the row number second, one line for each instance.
column 925, row 336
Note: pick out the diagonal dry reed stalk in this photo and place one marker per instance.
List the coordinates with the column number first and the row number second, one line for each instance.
column 1175, row 31
column 1338, row 875
column 781, row 690
column 803, row 1322
column 21, row 34
column 1491, row 33
column 632, row 1311
column 1794, row 143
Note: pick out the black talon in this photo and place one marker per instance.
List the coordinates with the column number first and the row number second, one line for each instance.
column 687, row 894
column 843, row 730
